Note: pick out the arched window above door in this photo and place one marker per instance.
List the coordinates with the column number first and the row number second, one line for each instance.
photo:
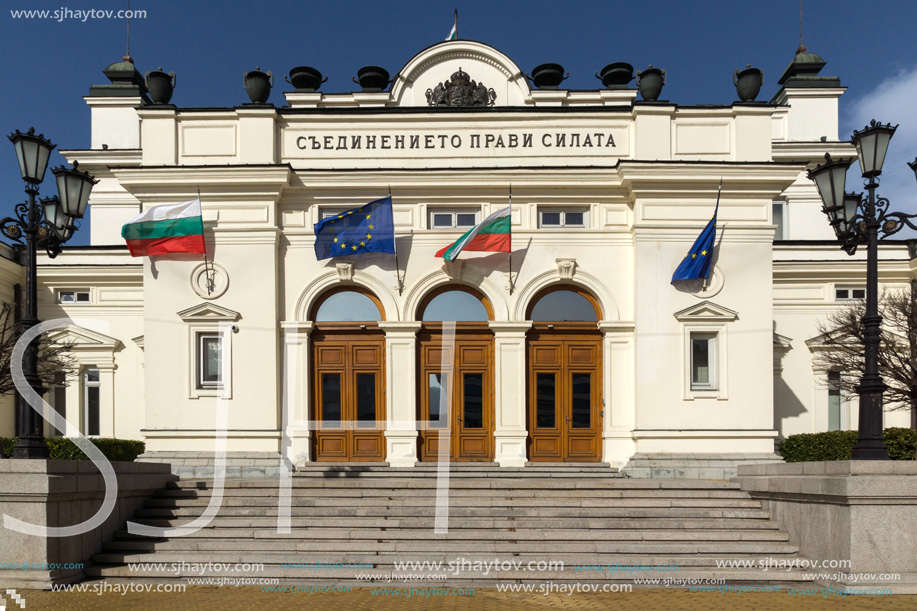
column 453, row 303
column 347, row 305
column 563, row 305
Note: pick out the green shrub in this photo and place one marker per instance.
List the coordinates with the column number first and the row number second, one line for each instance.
column 901, row 443
column 63, row 448
column 837, row 445
column 832, row 445
column 6, row 445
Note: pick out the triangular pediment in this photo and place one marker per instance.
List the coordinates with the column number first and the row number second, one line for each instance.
column 209, row 312
column 706, row 311
column 781, row 342
column 81, row 338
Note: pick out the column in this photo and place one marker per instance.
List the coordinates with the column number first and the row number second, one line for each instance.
column 620, row 407
column 400, row 394
column 294, row 417
column 510, row 433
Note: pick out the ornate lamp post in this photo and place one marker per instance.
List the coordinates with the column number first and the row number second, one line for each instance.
column 46, row 226
column 857, row 220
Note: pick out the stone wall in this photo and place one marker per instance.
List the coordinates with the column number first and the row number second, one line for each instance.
column 57, row 493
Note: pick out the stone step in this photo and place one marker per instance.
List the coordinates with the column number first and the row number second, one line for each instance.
column 481, row 483
column 116, row 553
column 467, row 532
column 347, row 496
column 546, row 495
column 468, row 577
column 528, row 518
column 376, row 500
column 728, row 549
column 427, row 523
column 673, row 513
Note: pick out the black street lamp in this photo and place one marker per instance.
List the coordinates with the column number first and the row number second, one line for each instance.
column 46, row 226
column 857, row 220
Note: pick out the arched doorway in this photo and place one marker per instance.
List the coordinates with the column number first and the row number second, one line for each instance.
column 469, row 409
column 348, row 376
column 564, row 376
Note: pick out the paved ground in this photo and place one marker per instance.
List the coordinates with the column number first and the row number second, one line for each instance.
column 229, row 598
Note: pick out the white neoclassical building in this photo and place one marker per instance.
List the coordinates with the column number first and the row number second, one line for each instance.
column 577, row 348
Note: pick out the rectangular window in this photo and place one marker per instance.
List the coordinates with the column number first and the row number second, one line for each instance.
column 453, row 219
column 210, row 360
column 69, row 297
column 545, row 401
column 91, row 384
column 366, row 400
column 703, row 361
column 779, row 208
column 331, row 400
column 57, row 398
column 834, row 400
column 345, row 220
column 474, row 401
column 436, row 400
column 581, row 400
column 550, row 217
column 849, row 293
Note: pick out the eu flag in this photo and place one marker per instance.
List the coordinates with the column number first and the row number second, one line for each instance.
column 369, row 228
column 696, row 263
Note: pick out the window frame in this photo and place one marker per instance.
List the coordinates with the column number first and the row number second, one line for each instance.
column 453, row 212
column 706, row 318
column 85, row 385
column 849, row 289
column 75, row 293
column 712, row 365
column 781, row 230
column 563, row 211
column 203, row 384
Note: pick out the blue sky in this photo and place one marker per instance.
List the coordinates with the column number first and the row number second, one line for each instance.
column 50, row 64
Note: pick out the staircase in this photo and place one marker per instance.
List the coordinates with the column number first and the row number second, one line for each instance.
column 373, row 515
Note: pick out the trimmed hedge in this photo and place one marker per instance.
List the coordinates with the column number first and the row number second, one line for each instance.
column 63, row 448
column 837, row 445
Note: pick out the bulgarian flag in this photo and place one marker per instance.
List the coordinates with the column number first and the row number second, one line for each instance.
column 165, row 229
column 490, row 235
column 453, row 33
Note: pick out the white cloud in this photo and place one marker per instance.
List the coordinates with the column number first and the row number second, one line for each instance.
column 892, row 101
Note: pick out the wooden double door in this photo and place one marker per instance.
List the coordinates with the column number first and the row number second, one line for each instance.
column 459, row 411
column 564, row 400
column 348, row 397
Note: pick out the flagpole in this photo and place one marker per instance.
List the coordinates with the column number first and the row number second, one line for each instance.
column 395, row 246
column 511, row 287
column 208, row 268
column 715, row 210
column 456, row 23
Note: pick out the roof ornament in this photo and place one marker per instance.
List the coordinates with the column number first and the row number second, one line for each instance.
column 460, row 91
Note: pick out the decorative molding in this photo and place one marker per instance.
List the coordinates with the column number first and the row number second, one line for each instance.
column 566, row 268
column 345, row 271
column 454, row 269
column 83, row 339
column 199, row 280
column 706, row 311
column 208, row 312
column 704, row 288
column 139, row 341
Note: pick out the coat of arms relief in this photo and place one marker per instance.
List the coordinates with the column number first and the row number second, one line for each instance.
column 460, row 90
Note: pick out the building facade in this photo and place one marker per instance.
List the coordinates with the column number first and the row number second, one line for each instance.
column 576, row 348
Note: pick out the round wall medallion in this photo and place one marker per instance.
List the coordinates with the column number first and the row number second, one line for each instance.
column 206, row 272
column 705, row 289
